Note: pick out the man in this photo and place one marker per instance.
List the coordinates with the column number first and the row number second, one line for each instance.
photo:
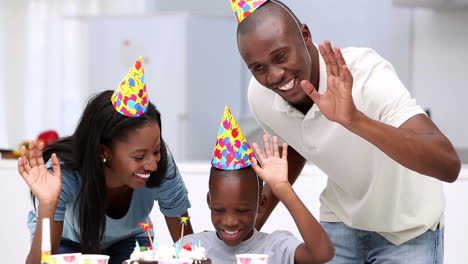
column 348, row 113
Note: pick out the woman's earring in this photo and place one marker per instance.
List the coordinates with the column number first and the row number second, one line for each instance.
column 104, row 160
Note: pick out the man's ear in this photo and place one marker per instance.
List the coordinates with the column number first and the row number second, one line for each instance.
column 262, row 203
column 306, row 35
column 208, row 198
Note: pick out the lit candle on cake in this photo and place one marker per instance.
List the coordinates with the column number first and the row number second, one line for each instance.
column 146, row 228
column 183, row 221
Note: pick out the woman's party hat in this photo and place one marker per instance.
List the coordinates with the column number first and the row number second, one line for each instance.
column 130, row 98
column 232, row 151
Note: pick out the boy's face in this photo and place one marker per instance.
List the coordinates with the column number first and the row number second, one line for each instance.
column 233, row 201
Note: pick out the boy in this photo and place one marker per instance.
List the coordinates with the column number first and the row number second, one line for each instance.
column 235, row 200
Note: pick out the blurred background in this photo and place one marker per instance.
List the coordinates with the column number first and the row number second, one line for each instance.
column 55, row 54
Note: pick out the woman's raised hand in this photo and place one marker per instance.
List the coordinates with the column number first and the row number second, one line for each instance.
column 45, row 186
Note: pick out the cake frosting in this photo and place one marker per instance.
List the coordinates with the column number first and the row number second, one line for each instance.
column 189, row 254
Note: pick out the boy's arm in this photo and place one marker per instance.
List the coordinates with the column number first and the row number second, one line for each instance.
column 295, row 165
column 317, row 247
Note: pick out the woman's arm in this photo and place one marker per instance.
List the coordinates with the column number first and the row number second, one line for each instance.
column 56, row 227
column 173, row 200
column 175, row 227
column 46, row 187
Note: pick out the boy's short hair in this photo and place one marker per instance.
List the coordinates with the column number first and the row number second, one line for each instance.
column 244, row 172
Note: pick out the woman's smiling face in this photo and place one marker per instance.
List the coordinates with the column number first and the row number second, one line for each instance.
column 131, row 160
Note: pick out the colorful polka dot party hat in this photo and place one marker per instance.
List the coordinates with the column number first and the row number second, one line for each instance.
column 243, row 8
column 232, row 151
column 130, row 98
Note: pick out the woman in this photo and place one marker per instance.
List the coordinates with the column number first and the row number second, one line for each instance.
column 110, row 172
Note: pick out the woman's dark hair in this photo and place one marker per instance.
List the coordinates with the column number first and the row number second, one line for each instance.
column 100, row 124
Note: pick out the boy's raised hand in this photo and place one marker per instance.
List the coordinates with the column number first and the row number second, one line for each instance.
column 274, row 167
column 45, row 186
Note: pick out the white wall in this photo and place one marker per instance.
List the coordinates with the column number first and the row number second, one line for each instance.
column 439, row 51
column 12, row 77
column 39, row 56
column 440, row 78
column 3, row 121
column 214, row 72
column 192, row 69
column 375, row 24
column 205, row 7
column 362, row 23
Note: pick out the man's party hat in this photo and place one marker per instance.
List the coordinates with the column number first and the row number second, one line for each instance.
column 243, row 8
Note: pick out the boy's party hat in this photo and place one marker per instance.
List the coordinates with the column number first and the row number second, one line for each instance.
column 243, row 8
column 232, row 151
column 130, row 98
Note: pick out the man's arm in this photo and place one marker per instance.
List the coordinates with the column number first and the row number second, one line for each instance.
column 417, row 144
column 295, row 165
column 317, row 246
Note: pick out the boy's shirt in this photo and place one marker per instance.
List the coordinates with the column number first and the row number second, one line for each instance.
column 280, row 246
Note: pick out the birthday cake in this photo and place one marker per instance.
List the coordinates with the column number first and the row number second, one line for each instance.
column 188, row 254
column 177, row 254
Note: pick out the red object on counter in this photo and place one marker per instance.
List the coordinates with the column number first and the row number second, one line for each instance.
column 48, row 137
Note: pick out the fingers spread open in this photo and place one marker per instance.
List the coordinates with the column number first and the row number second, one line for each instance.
column 329, row 58
column 32, row 154
column 324, row 56
column 56, row 165
column 255, row 166
column 21, row 168
column 266, row 144
column 339, row 57
column 40, row 150
column 258, row 152
column 275, row 146
column 24, row 159
column 344, row 73
column 346, row 76
column 310, row 90
column 285, row 151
